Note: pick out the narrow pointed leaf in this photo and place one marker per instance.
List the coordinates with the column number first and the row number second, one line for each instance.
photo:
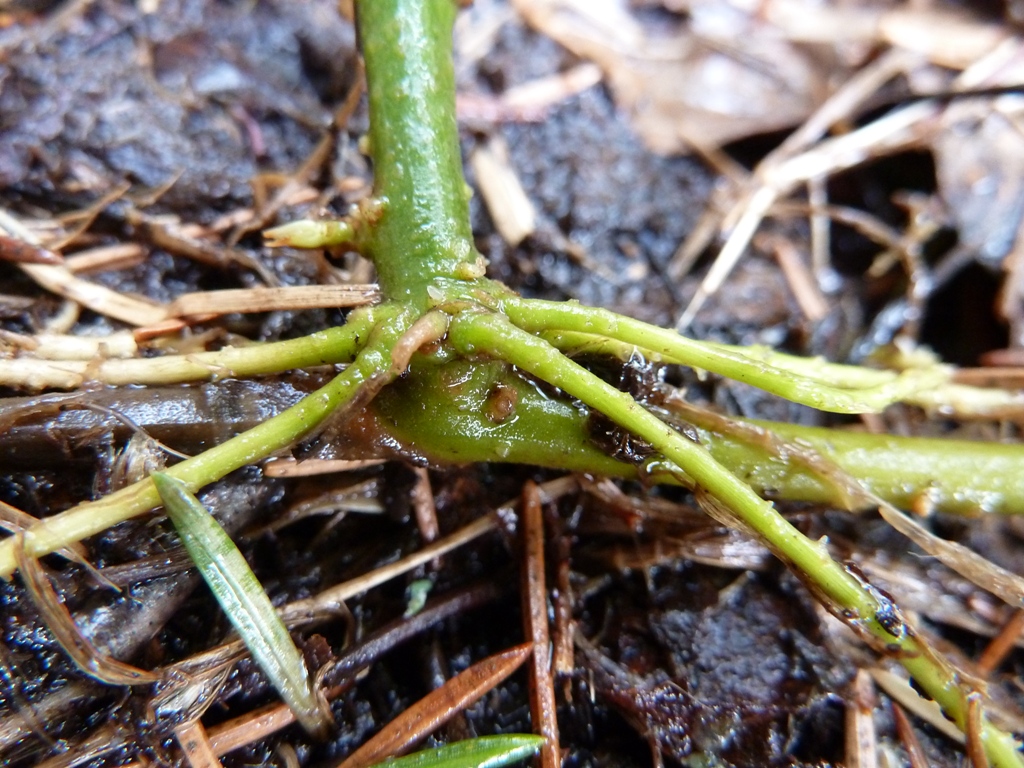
column 241, row 596
column 483, row 752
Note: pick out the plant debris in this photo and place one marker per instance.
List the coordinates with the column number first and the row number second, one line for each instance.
column 145, row 144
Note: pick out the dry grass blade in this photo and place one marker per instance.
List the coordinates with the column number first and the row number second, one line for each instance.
column 58, row 279
column 193, row 685
column 529, row 101
column 423, row 505
column 309, row 167
column 105, row 741
column 253, row 726
column 437, row 707
column 768, row 184
column 79, row 648
column 120, row 256
column 861, row 741
column 182, row 240
column 899, row 691
column 801, row 282
column 327, row 602
column 273, row 299
column 535, row 615
column 987, row 575
column 503, row 193
column 99, row 299
column 15, row 520
column 22, row 717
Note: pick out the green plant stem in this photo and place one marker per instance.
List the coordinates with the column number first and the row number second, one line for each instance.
column 92, row 517
column 444, row 414
column 924, row 474
column 473, row 411
column 941, row 396
column 861, row 391
column 423, row 231
column 329, row 347
column 862, row 608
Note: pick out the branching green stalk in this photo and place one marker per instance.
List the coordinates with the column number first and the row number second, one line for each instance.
column 945, row 397
column 821, row 385
column 861, row 607
column 446, row 424
column 92, row 517
column 329, row 347
column 416, row 231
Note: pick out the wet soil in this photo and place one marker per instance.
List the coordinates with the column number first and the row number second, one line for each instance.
column 695, row 645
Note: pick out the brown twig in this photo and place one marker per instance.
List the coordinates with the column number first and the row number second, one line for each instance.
column 564, row 628
column 535, row 615
column 437, row 707
column 196, row 745
column 905, row 730
column 975, row 742
column 16, row 250
column 1001, row 645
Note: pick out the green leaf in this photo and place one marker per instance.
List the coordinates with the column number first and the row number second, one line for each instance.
column 417, row 595
column 483, row 752
column 244, row 601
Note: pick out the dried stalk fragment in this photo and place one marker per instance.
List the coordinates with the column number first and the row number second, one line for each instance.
column 437, row 707
column 86, row 656
column 535, row 616
column 273, row 299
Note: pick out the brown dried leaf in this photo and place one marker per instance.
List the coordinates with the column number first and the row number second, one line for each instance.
column 979, row 157
column 691, row 83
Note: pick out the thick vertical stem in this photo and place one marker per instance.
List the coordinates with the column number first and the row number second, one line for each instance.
column 423, row 231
